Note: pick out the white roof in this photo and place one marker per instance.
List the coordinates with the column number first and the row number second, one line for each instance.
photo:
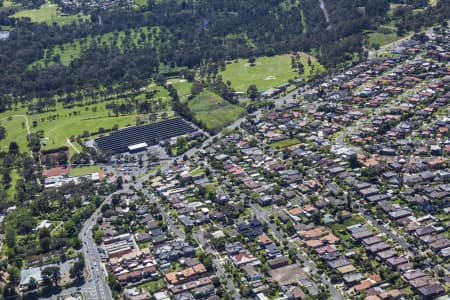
column 137, row 146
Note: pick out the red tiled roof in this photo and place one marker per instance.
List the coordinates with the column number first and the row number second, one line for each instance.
column 58, row 171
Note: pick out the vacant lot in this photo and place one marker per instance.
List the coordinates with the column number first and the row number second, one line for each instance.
column 268, row 72
column 288, row 274
column 47, row 13
column 284, row 143
column 214, row 111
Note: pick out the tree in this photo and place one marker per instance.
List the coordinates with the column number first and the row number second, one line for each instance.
column 353, row 161
column 6, row 177
column 349, row 201
column 196, row 88
column 51, row 275
column 181, row 144
column 76, row 271
column 113, row 284
column 10, row 236
column 216, row 281
column 22, row 221
column 377, row 7
column 13, row 148
column 14, row 275
column 45, row 244
column 33, row 284
column 119, row 182
column 207, row 261
column 252, row 92
column 2, row 132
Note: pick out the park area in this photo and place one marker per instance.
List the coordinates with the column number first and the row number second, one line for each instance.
column 213, row 110
column 68, row 52
column 182, row 86
column 47, row 13
column 267, row 72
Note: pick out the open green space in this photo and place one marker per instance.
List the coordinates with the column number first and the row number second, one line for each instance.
column 182, row 86
column 47, row 13
column 268, row 72
column 213, row 110
column 11, row 191
column 284, row 143
column 197, row 171
column 384, row 35
column 380, row 39
column 9, row 3
column 153, row 286
column 14, row 123
column 80, row 171
column 60, row 125
column 67, row 52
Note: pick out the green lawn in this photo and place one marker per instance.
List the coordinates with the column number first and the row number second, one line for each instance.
column 385, row 34
column 268, row 72
column 47, row 13
column 66, row 124
column 69, row 51
column 153, row 286
column 84, row 170
column 214, row 111
column 284, row 143
column 15, row 130
column 140, row 3
column 14, row 174
column 9, row 3
column 380, row 39
column 197, row 171
column 182, row 86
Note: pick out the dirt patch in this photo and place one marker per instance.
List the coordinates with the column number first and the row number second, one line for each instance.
column 288, row 274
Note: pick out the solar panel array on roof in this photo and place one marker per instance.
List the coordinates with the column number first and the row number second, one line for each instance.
column 151, row 134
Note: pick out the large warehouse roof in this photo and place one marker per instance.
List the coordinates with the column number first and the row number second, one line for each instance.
column 151, row 134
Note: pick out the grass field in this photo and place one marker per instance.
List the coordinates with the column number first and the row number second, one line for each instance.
column 380, row 39
column 66, row 124
column 47, row 13
column 9, row 3
column 16, row 131
column 69, row 51
column 268, row 72
column 284, row 143
column 182, row 86
column 153, row 286
column 214, row 111
column 384, row 35
column 84, row 170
